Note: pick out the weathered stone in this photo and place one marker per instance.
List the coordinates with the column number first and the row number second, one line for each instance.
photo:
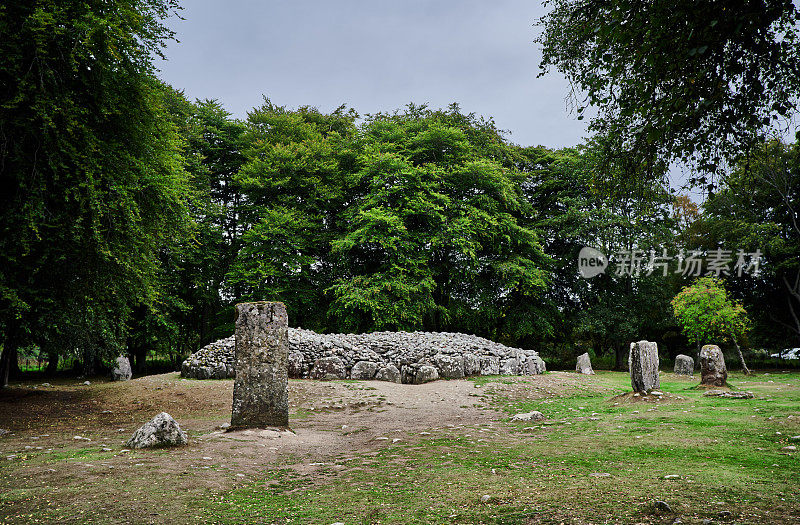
column 325, row 366
column 729, row 394
column 261, row 389
column 509, row 367
column 295, row 363
column 534, row 415
column 472, row 365
column 584, row 365
column 490, row 365
column 388, row 373
column 684, row 365
column 123, row 371
column 533, row 365
column 364, row 370
column 643, row 366
column 161, row 431
column 713, row 371
column 449, row 366
column 417, row 373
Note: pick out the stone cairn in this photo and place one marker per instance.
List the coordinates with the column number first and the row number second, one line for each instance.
column 713, row 371
column 584, row 365
column 684, row 365
column 261, row 389
column 409, row 357
column 643, row 366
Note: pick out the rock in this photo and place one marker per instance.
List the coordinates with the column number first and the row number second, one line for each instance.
column 672, row 476
column 794, row 438
column 449, row 366
column 643, row 366
column 364, row 370
column 662, row 506
column 533, row 365
column 123, row 371
column 731, row 395
column 600, row 475
column 656, row 393
column 490, row 366
column 161, row 431
column 534, row 415
column 261, row 388
column 325, row 366
column 472, row 365
column 684, row 365
column 417, row 373
column 790, row 448
column 388, row 373
column 486, row 498
column 296, row 362
column 713, row 371
column 584, row 365
column 86, row 383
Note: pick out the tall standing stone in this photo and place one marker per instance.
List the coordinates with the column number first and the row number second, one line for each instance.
column 584, row 365
column 684, row 365
column 643, row 366
column 261, row 389
column 123, row 371
column 713, row 371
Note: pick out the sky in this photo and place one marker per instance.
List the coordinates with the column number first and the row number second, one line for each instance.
column 374, row 55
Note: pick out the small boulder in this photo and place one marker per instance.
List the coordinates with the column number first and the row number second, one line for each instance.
column 684, row 365
column 534, row 415
column 713, row 371
column 123, row 371
column 490, row 365
column 161, row 431
column 388, row 373
column 363, row 370
column 584, row 365
column 327, row 367
column 472, row 365
column 295, row 361
column 418, row 373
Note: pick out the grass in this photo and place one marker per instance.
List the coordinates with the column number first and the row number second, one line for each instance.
column 726, row 453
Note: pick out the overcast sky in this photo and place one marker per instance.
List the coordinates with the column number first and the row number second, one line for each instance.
column 374, row 55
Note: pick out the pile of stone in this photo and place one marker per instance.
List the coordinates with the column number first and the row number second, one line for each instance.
column 407, row 357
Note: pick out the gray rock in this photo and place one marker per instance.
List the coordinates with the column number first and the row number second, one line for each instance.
column 472, row 365
column 364, row 370
column 534, row 415
column 713, row 371
column 417, row 373
column 328, row 366
column 584, row 365
column 296, row 362
column 731, row 395
column 449, row 366
column 388, row 373
column 161, row 431
column 643, row 366
column 261, row 388
column 662, row 506
column 684, row 365
column 490, row 366
column 123, row 371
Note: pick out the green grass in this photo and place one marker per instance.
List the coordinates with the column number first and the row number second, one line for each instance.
column 538, row 473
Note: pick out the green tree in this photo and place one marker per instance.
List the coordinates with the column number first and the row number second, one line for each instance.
column 705, row 313
column 699, row 80
column 92, row 185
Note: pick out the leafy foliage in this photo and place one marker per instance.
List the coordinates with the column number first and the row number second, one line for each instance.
column 697, row 80
column 706, row 314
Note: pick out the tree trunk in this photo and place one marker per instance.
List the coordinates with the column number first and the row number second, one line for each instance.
column 52, row 363
column 741, row 357
column 5, row 364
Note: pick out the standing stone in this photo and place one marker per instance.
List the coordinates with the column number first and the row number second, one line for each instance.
column 363, row 370
column 388, row 373
column 684, row 365
column 123, row 370
column 713, row 371
column 643, row 366
column 584, row 365
column 261, row 389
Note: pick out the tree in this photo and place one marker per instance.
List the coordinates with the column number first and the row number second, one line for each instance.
column 696, row 80
column 92, row 185
column 705, row 313
column 757, row 209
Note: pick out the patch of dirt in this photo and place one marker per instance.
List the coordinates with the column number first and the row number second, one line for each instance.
column 629, row 398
